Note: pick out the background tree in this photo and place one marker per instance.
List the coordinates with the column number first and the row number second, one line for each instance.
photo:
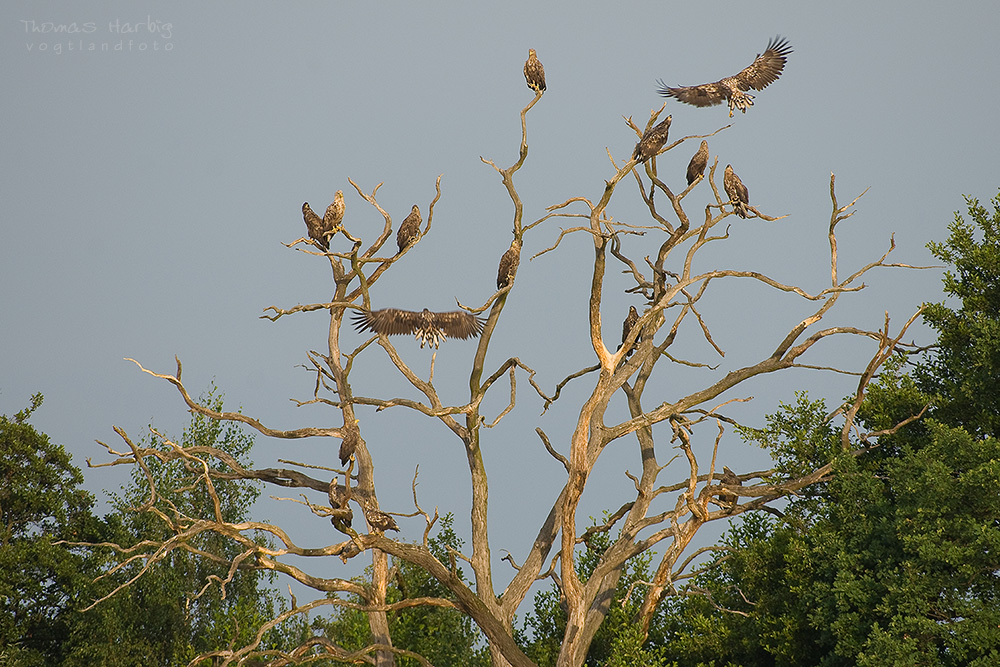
column 168, row 615
column 441, row 635
column 616, row 410
column 40, row 504
column 896, row 559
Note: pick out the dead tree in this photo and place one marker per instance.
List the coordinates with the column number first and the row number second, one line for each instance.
column 660, row 514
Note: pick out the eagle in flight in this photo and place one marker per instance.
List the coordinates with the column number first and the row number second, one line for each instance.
column 429, row 328
column 763, row 71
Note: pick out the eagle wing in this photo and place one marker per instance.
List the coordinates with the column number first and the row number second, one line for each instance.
column 458, row 324
column 705, row 95
column 766, row 68
column 388, row 321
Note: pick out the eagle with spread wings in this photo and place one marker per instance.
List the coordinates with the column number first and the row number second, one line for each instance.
column 763, row 71
column 428, row 327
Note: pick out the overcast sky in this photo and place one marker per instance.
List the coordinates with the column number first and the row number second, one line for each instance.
column 146, row 192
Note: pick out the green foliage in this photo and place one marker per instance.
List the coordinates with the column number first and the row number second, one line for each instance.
column 40, row 504
column 899, row 562
column 962, row 374
column 160, row 619
column 443, row 636
column 619, row 641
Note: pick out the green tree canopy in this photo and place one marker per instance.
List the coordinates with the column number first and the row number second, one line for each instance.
column 177, row 609
column 897, row 560
column 40, row 504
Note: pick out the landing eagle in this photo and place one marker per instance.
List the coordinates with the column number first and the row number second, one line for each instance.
column 429, row 328
column 763, row 71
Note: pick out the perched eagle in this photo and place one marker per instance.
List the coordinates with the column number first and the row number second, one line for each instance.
column 342, row 515
column 764, row 70
column 652, row 141
column 696, row 167
column 380, row 520
column 729, row 478
column 348, row 444
column 316, row 226
column 630, row 320
column 534, row 73
column 508, row 264
column 737, row 192
column 334, row 215
column 429, row 328
column 409, row 231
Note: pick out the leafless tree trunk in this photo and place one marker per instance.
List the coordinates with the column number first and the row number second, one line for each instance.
column 693, row 422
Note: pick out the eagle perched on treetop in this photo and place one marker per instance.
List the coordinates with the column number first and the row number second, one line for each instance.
column 652, row 141
column 534, row 73
column 429, row 328
column 763, row 71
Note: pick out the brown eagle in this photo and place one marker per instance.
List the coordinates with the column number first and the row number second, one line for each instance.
column 316, row 226
column 738, row 193
column 349, row 444
column 508, row 264
column 764, row 70
column 379, row 520
column 429, row 328
column 729, row 478
column 630, row 320
column 409, row 231
column 696, row 167
column 652, row 141
column 334, row 215
column 534, row 73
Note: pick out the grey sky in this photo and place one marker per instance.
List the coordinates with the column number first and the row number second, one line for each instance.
column 145, row 194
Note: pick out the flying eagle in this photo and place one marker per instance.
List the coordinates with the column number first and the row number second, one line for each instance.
column 429, row 328
column 652, row 141
column 508, row 264
column 729, row 478
column 764, row 70
column 696, row 167
column 316, row 226
column 737, row 192
column 380, row 520
column 534, row 73
column 334, row 215
column 630, row 320
column 409, row 231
